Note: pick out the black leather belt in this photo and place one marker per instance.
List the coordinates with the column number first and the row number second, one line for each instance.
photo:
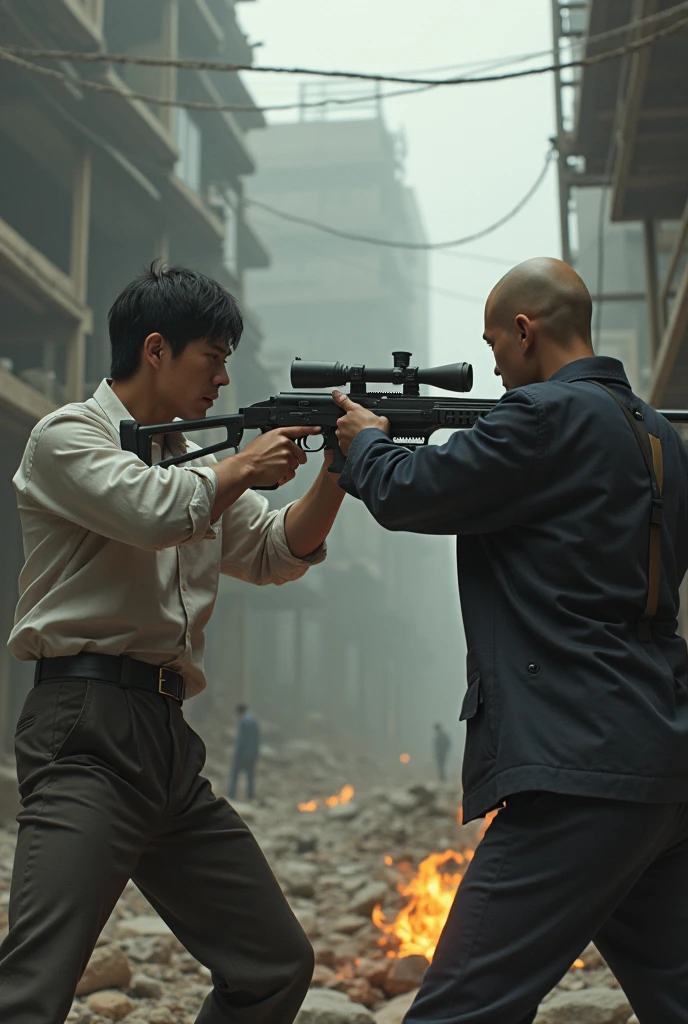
column 122, row 671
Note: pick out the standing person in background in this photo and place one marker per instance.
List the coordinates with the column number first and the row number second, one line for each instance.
column 442, row 745
column 246, row 752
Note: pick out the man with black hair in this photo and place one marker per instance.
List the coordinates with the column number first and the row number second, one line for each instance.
column 569, row 504
column 121, row 574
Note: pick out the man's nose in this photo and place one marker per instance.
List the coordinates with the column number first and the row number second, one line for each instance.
column 222, row 378
column 497, row 372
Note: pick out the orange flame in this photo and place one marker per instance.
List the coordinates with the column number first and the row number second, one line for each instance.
column 404, row 758
column 343, row 797
column 430, row 892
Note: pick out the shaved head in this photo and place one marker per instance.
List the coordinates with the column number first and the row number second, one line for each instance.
column 537, row 319
column 546, row 290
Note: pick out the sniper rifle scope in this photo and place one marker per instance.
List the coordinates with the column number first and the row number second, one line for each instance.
column 452, row 377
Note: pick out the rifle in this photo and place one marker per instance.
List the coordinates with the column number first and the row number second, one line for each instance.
column 413, row 417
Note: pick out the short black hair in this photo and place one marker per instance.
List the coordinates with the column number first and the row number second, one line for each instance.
column 241, row 708
column 180, row 304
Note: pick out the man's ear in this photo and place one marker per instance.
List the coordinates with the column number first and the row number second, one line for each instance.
column 524, row 327
column 153, row 348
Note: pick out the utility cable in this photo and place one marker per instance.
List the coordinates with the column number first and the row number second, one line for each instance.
column 417, row 246
column 98, row 57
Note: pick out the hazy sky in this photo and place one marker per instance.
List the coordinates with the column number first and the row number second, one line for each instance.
column 473, row 151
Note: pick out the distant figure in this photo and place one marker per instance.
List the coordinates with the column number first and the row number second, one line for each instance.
column 442, row 745
column 245, row 752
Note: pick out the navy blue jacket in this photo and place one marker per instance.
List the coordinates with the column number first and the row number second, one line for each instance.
column 549, row 498
column 247, row 745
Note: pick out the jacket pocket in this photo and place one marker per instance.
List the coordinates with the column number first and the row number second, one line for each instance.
column 473, row 698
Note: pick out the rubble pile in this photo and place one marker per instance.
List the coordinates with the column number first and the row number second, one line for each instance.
column 347, row 864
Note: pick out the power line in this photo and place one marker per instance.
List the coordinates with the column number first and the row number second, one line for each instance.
column 416, row 246
column 225, row 66
column 17, row 55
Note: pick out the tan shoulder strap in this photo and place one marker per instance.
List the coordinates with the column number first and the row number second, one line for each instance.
column 651, row 448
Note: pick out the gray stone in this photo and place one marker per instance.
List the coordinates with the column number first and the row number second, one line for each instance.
column 143, row 987
column 598, row 1005
column 298, row 877
column 141, row 925
column 402, row 801
column 308, row 919
column 344, row 812
column 325, row 1006
column 349, row 924
column 107, row 968
column 395, row 1010
column 365, row 901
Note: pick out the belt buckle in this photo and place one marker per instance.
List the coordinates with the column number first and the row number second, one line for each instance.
column 177, row 692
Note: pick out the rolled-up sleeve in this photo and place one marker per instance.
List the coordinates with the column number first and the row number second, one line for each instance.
column 477, row 482
column 254, row 544
column 78, row 471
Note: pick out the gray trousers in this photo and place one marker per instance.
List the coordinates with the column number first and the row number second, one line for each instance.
column 110, row 788
column 553, row 873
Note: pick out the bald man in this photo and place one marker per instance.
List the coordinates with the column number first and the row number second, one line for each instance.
column 569, row 502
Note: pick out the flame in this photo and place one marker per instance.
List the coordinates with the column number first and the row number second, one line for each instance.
column 388, row 861
column 404, row 758
column 578, row 964
column 343, row 797
column 417, row 927
column 309, row 806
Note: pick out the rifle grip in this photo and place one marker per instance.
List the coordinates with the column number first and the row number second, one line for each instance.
column 332, row 444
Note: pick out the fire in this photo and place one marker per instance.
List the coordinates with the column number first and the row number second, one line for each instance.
column 343, row 797
column 404, row 758
column 417, row 927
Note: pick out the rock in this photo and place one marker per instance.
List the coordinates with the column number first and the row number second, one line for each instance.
column 306, row 842
column 374, row 971
column 323, row 976
column 365, row 901
column 161, row 1015
column 143, row 987
column 424, row 793
column 349, row 924
column 405, row 974
column 396, row 1009
column 402, row 801
column 361, row 991
column 107, row 968
column 246, row 811
column 592, row 957
column 149, row 949
column 344, row 812
column 308, row 919
column 324, row 953
column 298, row 877
column 324, row 1006
column 113, row 1005
column 143, row 924
column 597, row 1005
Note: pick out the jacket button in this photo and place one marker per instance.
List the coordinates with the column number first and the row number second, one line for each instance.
column 533, row 668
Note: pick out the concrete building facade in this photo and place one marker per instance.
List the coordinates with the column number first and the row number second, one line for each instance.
column 93, row 187
column 379, row 627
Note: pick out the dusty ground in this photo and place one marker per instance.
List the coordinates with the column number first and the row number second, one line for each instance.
column 337, row 864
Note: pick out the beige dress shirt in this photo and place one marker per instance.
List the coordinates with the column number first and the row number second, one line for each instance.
column 121, row 558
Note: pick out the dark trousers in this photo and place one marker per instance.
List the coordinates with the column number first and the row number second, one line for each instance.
column 552, row 873
column 247, row 768
column 110, row 788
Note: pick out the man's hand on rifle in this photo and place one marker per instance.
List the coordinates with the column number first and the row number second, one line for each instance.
column 356, row 419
